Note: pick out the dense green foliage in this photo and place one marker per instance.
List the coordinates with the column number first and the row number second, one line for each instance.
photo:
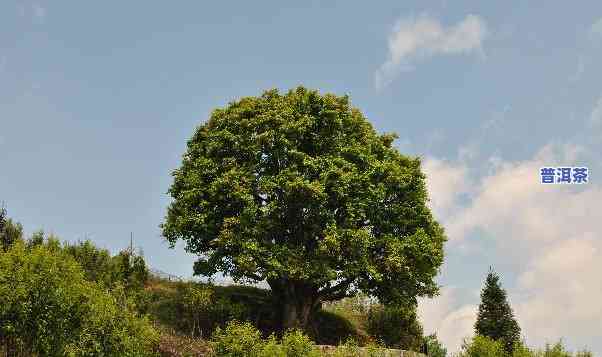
column 240, row 339
column 396, row 326
column 495, row 318
column 482, row 346
column 10, row 232
column 434, row 347
column 237, row 340
column 49, row 308
column 126, row 268
column 300, row 191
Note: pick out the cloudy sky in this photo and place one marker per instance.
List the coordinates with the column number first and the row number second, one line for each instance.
column 97, row 102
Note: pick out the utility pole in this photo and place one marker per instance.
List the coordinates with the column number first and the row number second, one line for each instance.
column 131, row 244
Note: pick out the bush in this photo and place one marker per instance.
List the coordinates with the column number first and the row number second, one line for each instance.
column 521, row 350
column 558, row 350
column 395, row 326
column 330, row 328
column 48, row 306
column 349, row 349
column 297, row 344
column 125, row 268
column 434, row 347
column 481, row 346
column 238, row 339
column 272, row 348
column 241, row 339
column 95, row 262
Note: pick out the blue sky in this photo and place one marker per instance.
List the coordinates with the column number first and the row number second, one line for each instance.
column 97, row 101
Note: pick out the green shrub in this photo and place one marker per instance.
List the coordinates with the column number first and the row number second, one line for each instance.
column 48, row 306
column 297, row 344
column 95, row 262
column 434, row 347
column 521, row 350
column 272, row 348
column 237, row 339
column 348, row 349
column 395, row 326
column 558, row 350
column 242, row 339
column 481, row 346
column 330, row 328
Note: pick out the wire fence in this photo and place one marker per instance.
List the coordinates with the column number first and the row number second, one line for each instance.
column 217, row 281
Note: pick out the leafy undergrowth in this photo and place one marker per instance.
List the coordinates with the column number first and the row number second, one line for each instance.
column 242, row 339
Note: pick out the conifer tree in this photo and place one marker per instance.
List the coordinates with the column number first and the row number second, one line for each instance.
column 495, row 318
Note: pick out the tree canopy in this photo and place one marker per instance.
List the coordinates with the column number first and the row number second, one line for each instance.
column 300, row 191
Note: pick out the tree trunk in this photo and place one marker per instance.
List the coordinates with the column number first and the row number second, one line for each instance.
column 298, row 302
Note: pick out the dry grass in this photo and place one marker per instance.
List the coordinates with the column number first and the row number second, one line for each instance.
column 176, row 345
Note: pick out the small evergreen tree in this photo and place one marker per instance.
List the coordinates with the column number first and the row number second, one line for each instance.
column 495, row 318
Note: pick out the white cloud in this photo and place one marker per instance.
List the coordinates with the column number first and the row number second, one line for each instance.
column 512, row 201
column 551, row 234
column 450, row 321
column 563, row 286
column 445, row 183
column 422, row 37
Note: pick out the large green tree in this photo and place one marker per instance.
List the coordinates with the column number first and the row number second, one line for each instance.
column 298, row 190
column 495, row 318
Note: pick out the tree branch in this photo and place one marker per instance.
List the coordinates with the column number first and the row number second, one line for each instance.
column 336, row 289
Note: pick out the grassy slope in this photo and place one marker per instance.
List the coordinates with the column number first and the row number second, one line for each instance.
column 334, row 324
